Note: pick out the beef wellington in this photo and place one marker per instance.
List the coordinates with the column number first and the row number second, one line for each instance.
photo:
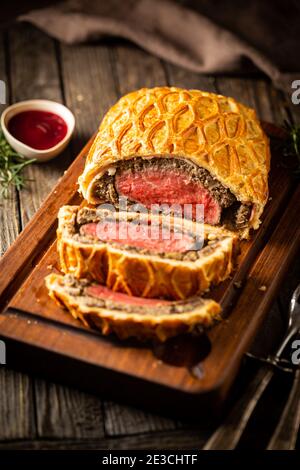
column 110, row 312
column 144, row 255
column 168, row 145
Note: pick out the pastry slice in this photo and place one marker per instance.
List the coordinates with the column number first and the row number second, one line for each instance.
column 185, row 147
column 110, row 312
column 144, row 255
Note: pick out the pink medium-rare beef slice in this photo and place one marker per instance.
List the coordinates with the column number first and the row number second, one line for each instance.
column 163, row 240
column 102, row 292
column 167, row 186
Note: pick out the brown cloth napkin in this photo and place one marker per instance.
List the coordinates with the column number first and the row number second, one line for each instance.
column 189, row 34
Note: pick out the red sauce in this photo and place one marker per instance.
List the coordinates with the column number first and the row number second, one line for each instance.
column 40, row 130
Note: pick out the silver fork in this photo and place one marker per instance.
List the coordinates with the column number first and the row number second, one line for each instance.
column 286, row 433
column 229, row 433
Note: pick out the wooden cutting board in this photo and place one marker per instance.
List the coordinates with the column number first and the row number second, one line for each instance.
column 187, row 375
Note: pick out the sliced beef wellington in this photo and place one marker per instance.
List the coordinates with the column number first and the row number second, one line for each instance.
column 170, row 145
column 110, row 312
column 144, row 255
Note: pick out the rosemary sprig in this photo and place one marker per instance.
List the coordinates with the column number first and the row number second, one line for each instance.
column 11, row 166
column 291, row 146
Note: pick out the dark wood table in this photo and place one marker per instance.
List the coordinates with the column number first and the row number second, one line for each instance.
column 37, row 414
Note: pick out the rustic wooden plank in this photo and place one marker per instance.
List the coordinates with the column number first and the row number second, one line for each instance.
column 9, row 221
column 9, row 213
column 183, row 78
column 181, row 440
column 290, row 283
column 121, row 420
column 135, row 69
column 67, row 413
column 266, row 343
column 16, row 405
column 232, row 429
column 270, row 102
column 239, row 88
column 256, row 93
column 35, row 75
column 89, row 87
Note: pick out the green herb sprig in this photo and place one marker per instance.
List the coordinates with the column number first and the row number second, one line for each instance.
column 11, row 166
column 291, row 146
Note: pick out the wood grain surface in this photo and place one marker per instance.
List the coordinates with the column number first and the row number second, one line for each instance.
column 105, row 72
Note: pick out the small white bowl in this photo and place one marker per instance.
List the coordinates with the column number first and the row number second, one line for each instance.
column 41, row 105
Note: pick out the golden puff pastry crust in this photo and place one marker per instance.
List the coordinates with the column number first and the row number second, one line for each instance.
column 141, row 274
column 143, row 325
column 213, row 131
